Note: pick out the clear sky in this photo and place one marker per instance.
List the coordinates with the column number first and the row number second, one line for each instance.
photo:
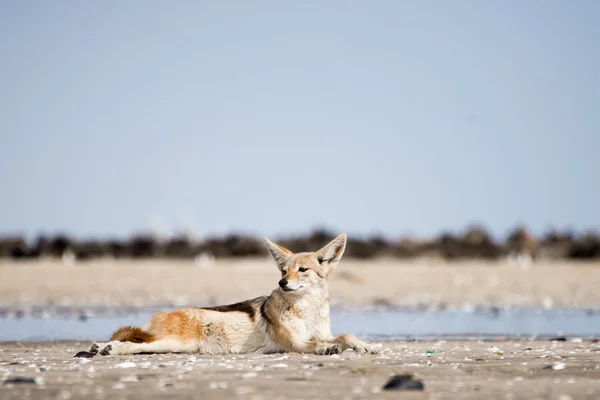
column 273, row 117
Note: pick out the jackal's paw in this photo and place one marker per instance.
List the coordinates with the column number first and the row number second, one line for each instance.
column 94, row 349
column 328, row 349
column 106, row 350
column 365, row 348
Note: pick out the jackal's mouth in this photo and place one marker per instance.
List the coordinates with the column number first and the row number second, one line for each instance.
column 287, row 289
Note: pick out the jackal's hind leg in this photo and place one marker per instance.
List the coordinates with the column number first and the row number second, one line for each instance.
column 158, row 346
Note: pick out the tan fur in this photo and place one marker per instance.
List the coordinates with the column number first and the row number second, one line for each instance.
column 132, row 334
column 184, row 324
column 294, row 318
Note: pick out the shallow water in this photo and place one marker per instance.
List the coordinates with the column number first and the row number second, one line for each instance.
column 397, row 324
column 466, row 325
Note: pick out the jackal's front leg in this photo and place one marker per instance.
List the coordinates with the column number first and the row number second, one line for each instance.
column 314, row 347
column 335, row 346
column 347, row 341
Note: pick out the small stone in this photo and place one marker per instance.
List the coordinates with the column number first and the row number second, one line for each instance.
column 559, row 339
column 558, row 366
column 127, row 364
column 21, row 379
column 403, row 382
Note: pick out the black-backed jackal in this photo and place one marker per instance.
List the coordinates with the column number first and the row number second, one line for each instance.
column 294, row 318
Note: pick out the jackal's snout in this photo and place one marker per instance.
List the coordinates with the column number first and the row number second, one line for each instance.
column 283, row 284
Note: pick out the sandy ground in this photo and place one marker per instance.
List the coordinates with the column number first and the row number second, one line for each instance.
column 456, row 369
column 428, row 283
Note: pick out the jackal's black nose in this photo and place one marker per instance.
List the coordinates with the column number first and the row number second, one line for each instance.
column 283, row 283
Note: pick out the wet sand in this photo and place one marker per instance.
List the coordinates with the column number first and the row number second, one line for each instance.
column 539, row 369
column 411, row 283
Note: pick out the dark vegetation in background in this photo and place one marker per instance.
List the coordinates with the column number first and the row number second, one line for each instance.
column 473, row 243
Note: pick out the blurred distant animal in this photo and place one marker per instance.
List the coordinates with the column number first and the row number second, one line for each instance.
column 294, row 318
column 521, row 247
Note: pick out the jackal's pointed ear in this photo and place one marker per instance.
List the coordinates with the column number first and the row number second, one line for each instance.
column 279, row 253
column 330, row 255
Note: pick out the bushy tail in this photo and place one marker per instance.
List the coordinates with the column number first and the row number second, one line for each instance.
column 132, row 334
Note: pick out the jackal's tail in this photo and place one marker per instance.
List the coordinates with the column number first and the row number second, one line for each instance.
column 132, row 334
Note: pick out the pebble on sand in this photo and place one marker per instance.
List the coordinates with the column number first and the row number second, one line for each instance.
column 21, row 379
column 403, row 382
column 557, row 366
column 127, row 364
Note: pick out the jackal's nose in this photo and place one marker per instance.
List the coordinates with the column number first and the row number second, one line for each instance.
column 283, row 283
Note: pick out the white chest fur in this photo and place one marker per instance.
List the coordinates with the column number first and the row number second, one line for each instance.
column 308, row 319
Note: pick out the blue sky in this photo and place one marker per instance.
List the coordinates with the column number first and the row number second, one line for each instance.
column 393, row 117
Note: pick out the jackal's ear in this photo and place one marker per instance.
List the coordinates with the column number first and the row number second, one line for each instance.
column 330, row 255
column 279, row 253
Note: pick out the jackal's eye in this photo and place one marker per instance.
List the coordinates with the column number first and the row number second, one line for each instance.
column 302, row 269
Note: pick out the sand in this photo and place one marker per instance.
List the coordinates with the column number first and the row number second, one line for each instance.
column 456, row 369
column 527, row 369
column 411, row 283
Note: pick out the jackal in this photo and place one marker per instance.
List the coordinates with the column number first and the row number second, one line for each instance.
column 294, row 318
